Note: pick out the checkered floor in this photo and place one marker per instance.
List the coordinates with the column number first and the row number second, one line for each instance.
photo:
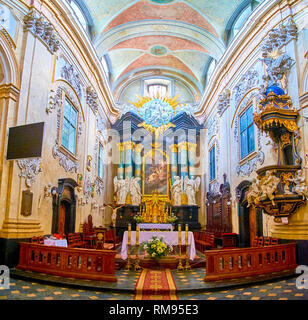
column 280, row 290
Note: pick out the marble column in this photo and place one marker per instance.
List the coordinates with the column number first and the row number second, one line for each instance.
column 121, row 162
column 138, row 161
column 128, row 151
column 192, row 147
column 183, row 159
column 174, row 161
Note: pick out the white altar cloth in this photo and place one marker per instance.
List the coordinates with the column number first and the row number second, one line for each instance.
column 150, row 226
column 171, row 238
column 57, row 243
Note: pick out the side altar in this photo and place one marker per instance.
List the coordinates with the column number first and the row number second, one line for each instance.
column 156, row 178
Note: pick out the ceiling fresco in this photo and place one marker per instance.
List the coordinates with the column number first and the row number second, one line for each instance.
column 173, row 38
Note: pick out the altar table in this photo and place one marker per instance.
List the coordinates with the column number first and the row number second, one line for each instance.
column 156, row 226
column 171, row 238
column 57, row 243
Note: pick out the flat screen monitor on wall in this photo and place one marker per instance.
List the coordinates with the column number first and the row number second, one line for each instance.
column 25, row 141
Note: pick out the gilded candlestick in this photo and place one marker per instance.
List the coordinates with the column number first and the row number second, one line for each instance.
column 180, row 266
column 187, row 266
column 137, row 266
column 128, row 265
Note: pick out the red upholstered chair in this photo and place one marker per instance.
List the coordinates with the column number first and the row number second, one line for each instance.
column 274, row 241
column 89, row 235
column 74, row 241
column 34, row 240
column 267, row 241
column 260, row 242
column 255, row 242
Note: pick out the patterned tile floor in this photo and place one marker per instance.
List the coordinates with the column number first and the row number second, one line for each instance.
column 279, row 290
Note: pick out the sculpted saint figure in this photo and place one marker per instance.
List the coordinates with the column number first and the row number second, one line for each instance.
column 135, row 191
column 269, row 184
column 177, row 190
column 191, row 186
column 121, row 188
column 300, row 183
column 253, row 192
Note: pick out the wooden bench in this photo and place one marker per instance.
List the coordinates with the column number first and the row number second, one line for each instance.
column 74, row 241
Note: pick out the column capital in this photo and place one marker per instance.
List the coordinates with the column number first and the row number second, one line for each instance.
column 138, row 147
column 128, row 145
column 173, row 147
column 183, row 145
column 120, row 146
column 9, row 91
column 191, row 146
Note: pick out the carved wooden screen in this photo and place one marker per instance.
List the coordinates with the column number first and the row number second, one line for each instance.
column 219, row 210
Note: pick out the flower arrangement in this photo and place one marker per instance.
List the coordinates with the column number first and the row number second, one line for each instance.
column 138, row 218
column 171, row 219
column 156, row 248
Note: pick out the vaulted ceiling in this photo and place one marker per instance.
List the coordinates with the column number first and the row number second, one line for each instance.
column 171, row 38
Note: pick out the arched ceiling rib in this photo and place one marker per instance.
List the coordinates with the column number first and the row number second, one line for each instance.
column 176, row 37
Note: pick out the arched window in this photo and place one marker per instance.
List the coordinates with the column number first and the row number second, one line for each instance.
column 247, row 132
column 212, row 163
column 239, row 17
column 69, row 127
column 100, row 161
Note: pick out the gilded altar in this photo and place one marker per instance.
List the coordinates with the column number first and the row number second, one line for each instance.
column 155, row 210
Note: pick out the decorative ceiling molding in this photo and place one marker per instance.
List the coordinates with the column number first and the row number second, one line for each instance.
column 91, row 99
column 42, row 29
column 224, row 100
column 69, row 73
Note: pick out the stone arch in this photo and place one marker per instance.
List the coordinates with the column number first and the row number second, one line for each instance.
column 8, row 63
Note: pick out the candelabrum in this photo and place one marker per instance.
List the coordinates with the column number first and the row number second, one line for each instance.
column 180, row 266
column 128, row 265
column 187, row 266
column 137, row 266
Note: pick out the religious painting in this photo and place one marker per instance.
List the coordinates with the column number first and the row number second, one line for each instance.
column 156, row 172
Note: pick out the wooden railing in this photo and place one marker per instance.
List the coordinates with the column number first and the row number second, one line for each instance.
column 236, row 263
column 68, row 262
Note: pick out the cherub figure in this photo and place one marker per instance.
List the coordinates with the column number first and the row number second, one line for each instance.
column 253, row 192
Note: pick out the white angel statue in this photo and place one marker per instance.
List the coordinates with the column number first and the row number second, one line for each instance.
column 135, row 191
column 177, row 190
column 191, row 186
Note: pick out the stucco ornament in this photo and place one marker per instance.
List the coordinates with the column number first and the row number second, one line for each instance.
column 29, row 169
column 156, row 112
column 64, row 161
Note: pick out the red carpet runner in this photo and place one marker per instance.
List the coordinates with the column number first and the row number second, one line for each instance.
column 155, row 285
